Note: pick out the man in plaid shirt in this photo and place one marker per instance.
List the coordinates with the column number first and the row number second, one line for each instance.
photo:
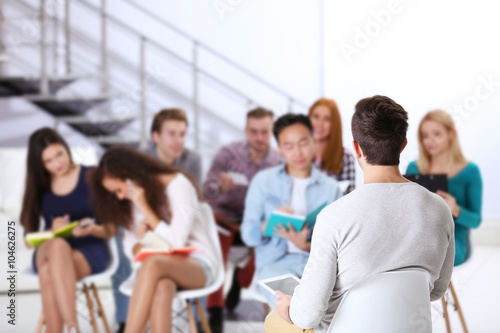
column 227, row 198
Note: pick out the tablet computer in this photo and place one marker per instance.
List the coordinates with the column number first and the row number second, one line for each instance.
column 431, row 182
column 284, row 283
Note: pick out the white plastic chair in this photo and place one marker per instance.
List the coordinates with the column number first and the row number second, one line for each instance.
column 397, row 301
column 29, row 274
column 186, row 295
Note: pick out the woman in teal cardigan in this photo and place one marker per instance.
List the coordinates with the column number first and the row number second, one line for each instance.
column 440, row 153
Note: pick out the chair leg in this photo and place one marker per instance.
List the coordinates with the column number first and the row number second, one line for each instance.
column 459, row 309
column 445, row 314
column 203, row 318
column 41, row 323
column 91, row 309
column 100, row 309
column 267, row 309
column 192, row 321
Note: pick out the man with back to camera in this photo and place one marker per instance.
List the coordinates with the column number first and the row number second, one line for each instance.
column 227, row 198
column 387, row 224
column 294, row 187
column 168, row 132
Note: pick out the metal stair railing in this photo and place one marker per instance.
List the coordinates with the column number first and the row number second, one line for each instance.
column 107, row 19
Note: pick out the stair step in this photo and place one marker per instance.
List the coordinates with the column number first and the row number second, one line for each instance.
column 22, row 85
column 97, row 126
column 68, row 105
column 110, row 141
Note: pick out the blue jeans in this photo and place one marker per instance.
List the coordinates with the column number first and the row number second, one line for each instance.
column 121, row 274
column 293, row 263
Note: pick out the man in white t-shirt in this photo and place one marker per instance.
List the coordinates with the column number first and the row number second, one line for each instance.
column 294, row 187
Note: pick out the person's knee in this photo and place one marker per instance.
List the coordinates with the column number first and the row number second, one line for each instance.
column 149, row 269
column 271, row 322
column 58, row 246
column 165, row 290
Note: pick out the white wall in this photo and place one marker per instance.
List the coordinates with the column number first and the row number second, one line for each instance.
column 424, row 55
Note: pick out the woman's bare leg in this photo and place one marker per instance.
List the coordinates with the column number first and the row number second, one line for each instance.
column 66, row 266
column 185, row 272
column 53, row 318
column 161, row 309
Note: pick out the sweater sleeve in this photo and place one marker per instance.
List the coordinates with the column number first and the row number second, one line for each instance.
column 441, row 284
column 470, row 215
column 184, row 206
column 311, row 298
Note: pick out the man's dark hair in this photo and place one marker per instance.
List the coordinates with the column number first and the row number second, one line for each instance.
column 290, row 119
column 260, row 113
column 379, row 126
column 166, row 115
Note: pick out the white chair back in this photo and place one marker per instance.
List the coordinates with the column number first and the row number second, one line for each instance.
column 396, row 301
column 212, row 233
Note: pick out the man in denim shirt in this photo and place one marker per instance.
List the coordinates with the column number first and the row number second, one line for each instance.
column 295, row 187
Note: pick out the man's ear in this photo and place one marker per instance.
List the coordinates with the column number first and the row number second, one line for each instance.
column 156, row 137
column 357, row 150
column 404, row 145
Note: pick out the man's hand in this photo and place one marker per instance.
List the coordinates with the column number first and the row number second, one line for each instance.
column 298, row 238
column 225, row 182
column 283, row 306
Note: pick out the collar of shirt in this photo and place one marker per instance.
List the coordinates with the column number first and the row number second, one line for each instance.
column 315, row 174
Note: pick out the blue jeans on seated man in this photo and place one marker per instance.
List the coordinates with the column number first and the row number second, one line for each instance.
column 291, row 263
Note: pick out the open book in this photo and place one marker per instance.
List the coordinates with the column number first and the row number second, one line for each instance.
column 297, row 221
column 155, row 244
column 35, row 239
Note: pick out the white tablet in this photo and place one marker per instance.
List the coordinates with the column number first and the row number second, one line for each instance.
column 284, row 283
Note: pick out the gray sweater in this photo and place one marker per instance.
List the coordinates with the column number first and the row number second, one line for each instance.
column 374, row 229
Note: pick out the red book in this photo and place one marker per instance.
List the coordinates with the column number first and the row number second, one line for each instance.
column 146, row 252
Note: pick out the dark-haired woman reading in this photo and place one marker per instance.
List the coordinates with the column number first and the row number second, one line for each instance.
column 57, row 190
column 144, row 195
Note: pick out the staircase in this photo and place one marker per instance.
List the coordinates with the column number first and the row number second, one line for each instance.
column 110, row 95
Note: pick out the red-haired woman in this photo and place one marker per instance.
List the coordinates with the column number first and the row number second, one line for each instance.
column 331, row 156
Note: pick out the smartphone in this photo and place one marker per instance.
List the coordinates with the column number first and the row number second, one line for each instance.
column 86, row 222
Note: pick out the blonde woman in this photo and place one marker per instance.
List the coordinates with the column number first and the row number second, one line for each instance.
column 440, row 153
column 331, row 157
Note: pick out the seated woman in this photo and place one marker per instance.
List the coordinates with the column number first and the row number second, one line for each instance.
column 330, row 155
column 56, row 188
column 440, row 153
column 142, row 194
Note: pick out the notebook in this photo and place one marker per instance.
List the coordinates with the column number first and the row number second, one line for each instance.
column 35, row 239
column 155, row 244
column 146, row 252
column 278, row 218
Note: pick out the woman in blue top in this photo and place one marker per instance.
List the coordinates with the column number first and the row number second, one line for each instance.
column 440, row 153
column 56, row 188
